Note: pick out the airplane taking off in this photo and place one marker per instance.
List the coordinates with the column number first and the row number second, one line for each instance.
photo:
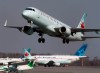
column 57, row 60
column 45, row 24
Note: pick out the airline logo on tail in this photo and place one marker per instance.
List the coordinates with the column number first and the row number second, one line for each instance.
column 81, row 51
column 82, row 25
column 82, row 22
column 27, row 53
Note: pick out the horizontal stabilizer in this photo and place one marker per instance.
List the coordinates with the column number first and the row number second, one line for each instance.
column 90, row 37
column 84, row 30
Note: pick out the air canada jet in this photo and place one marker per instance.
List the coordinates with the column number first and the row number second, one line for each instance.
column 45, row 24
column 16, row 68
column 16, row 65
column 57, row 60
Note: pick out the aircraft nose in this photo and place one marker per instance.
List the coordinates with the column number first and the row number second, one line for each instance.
column 25, row 14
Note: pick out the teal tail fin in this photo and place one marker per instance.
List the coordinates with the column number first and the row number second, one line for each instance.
column 81, row 50
column 82, row 24
column 82, row 21
column 27, row 53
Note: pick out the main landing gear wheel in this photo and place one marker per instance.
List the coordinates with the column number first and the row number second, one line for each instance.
column 65, row 41
column 41, row 40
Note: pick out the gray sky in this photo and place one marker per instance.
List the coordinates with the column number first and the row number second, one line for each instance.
column 67, row 11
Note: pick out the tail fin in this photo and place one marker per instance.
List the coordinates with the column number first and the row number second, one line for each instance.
column 81, row 50
column 27, row 53
column 82, row 22
column 31, row 63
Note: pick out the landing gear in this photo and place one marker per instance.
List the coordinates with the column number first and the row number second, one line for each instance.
column 31, row 22
column 41, row 40
column 65, row 41
column 45, row 65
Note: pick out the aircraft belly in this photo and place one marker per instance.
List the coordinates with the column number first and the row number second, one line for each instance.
column 74, row 38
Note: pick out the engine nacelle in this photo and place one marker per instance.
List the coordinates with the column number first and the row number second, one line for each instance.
column 65, row 31
column 5, row 63
column 57, row 64
column 28, row 30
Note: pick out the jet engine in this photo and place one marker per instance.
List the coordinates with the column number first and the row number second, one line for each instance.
column 5, row 63
column 65, row 31
column 57, row 64
column 28, row 30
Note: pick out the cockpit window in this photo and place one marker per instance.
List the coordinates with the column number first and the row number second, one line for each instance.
column 30, row 9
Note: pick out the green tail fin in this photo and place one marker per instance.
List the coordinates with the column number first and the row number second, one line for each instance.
column 31, row 64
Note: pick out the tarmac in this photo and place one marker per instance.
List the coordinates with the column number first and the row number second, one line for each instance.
column 71, row 69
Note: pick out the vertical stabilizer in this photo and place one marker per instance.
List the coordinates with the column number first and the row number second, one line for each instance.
column 31, row 63
column 81, row 51
column 27, row 53
column 82, row 24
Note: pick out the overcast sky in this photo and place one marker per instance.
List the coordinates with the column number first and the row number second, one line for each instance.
column 67, row 11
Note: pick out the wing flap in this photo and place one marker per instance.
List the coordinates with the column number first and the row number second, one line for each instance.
column 84, row 30
column 85, row 37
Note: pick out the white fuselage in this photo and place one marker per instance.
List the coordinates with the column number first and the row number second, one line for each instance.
column 58, row 59
column 48, row 24
column 10, row 60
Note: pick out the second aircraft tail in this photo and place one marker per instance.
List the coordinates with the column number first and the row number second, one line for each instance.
column 81, row 51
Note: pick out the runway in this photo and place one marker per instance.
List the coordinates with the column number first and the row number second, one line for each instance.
column 73, row 69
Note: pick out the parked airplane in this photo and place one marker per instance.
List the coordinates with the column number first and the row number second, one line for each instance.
column 45, row 24
column 15, row 67
column 57, row 60
column 15, row 64
column 7, row 61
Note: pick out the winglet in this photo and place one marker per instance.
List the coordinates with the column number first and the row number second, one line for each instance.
column 5, row 23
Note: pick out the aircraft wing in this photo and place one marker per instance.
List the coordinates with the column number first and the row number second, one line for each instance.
column 1, row 70
column 24, row 67
column 5, row 25
column 35, row 28
column 74, row 30
column 85, row 37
